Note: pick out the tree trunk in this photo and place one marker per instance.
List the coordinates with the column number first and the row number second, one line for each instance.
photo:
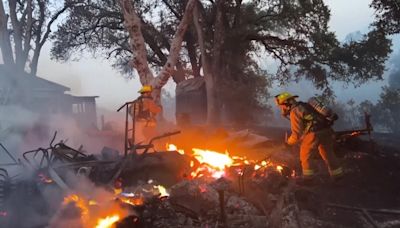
column 176, row 46
column 140, row 63
column 27, row 34
column 17, row 35
column 217, row 63
column 35, row 62
column 133, row 26
column 212, row 104
column 39, row 40
column 190, row 43
column 5, row 42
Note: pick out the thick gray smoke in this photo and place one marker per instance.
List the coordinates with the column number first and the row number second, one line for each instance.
column 22, row 130
column 394, row 76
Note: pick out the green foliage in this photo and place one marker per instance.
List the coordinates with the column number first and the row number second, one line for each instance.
column 385, row 114
column 394, row 75
column 245, row 100
column 387, row 110
column 294, row 33
column 387, row 15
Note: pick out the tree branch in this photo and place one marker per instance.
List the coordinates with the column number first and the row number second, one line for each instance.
column 28, row 32
column 137, row 43
column 5, row 42
column 171, row 8
column 17, row 34
column 169, row 66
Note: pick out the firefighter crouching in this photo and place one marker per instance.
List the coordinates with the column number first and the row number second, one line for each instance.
column 313, row 131
column 146, row 111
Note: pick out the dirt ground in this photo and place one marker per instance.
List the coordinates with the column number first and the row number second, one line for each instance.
column 371, row 184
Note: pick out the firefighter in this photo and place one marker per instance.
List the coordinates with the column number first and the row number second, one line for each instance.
column 146, row 111
column 313, row 133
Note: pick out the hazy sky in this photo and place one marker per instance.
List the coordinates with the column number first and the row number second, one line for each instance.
column 96, row 77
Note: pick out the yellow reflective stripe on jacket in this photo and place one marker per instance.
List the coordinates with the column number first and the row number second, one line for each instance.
column 308, row 119
column 336, row 172
column 308, row 172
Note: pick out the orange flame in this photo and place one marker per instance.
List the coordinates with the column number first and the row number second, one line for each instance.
column 172, row 147
column 214, row 159
column 134, row 201
column 79, row 202
column 44, row 179
column 214, row 163
column 99, row 217
column 162, row 190
column 107, row 222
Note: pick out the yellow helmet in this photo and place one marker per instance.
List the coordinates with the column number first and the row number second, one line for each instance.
column 146, row 89
column 282, row 98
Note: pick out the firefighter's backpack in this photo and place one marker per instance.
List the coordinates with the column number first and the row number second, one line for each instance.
column 322, row 110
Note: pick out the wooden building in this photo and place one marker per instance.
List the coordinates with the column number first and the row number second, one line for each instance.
column 45, row 97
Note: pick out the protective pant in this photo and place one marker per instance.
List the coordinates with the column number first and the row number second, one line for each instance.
column 323, row 142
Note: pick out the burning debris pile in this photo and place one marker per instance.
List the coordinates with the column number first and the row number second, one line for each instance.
column 205, row 187
column 63, row 187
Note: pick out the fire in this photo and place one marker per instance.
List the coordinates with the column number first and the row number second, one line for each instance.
column 211, row 162
column 134, row 201
column 215, row 159
column 79, row 202
column 92, row 202
column 162, row 190
column 214, row 164
column 107, row 222
column 44, row 179
column 100, row 214
column 172, row 147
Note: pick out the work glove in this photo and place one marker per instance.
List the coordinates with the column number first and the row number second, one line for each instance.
column 291, row 141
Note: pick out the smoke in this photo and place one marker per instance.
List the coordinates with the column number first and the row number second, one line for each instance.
column 22, row 130
column 394, row 75
column 84, row 204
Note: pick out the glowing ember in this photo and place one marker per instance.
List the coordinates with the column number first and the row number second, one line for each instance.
column 218, row 174
column 44, row 179
column 214, row 164
column 172, row 147
column 92, row 203
column 264, row 163
column 79, row 202
column 107, row 222
column 162, row 190
column 134, row 201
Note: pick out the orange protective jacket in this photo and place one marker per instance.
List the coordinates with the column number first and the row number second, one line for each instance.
column 146, row 109
column 301, row 121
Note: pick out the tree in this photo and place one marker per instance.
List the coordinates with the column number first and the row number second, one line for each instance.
column 387, row 15
column 387, row 110
column 394, row 73
column 385, row 113
column 137, row 43
column 227, row 40
column 25, row 26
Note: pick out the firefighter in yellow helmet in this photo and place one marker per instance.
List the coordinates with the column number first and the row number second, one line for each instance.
column 313, row 133
column 146, row 110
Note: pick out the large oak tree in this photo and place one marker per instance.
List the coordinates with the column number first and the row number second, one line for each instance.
column 25, row 26
column 226, row 43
